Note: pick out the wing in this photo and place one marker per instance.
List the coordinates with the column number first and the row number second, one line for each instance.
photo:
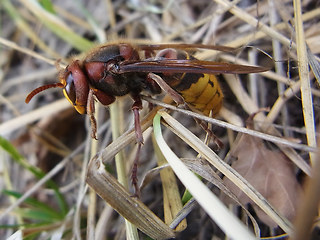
column 186, row 66
column 184, row 46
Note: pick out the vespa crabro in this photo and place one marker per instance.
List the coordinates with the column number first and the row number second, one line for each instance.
column 112, row 70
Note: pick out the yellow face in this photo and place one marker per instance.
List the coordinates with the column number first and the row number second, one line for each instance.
column 80, row 109
column 69, row 91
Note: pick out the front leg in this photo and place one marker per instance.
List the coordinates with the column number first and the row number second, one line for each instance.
column 90, row 112
column 103, row 98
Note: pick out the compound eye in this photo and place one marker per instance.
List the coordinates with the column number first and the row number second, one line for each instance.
column 70, row 91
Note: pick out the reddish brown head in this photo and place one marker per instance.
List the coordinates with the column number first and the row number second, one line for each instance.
column 74, row 84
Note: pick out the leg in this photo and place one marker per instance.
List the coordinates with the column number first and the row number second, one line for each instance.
column 166, row 88
column 105, row 99
column 90, row 112
column 178, row 99
column 137, row 105
column 204, row 125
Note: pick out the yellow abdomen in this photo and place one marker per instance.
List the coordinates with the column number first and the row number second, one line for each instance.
column 204, row 94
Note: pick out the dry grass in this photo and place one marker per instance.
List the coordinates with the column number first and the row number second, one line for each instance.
column 48, row 135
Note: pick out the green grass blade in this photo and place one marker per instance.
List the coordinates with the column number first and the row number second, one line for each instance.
column 10, row 149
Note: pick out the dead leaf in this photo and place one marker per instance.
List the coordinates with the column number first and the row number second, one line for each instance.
column 270, row 172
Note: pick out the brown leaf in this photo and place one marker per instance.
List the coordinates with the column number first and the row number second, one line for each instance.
column 270, row 172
